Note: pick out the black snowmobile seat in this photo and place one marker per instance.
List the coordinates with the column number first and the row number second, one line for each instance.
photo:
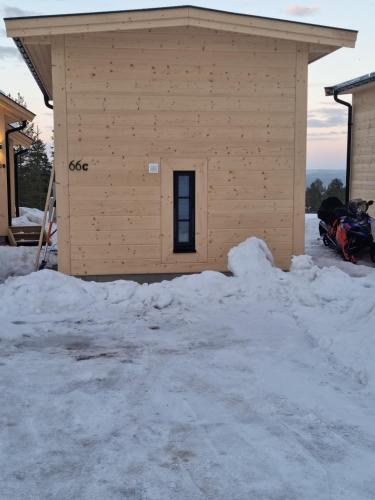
column 331, row 209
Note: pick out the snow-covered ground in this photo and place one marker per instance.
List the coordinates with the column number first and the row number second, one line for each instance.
column 18, row 261
column 257, row 386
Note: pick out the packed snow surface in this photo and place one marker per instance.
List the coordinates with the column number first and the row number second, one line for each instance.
column 257, row 386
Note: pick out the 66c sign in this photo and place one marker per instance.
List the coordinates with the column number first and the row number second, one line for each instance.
column 77, row 165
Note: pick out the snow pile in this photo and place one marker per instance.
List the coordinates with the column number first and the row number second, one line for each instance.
column 28, row 217
column 16, row 261
column 48, row 292
column 250, row 259
column 301, row 263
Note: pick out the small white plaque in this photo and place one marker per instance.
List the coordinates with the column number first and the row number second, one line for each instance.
column 153, row 168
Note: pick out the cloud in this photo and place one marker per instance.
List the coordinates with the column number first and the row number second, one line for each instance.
column 326, row 136
column 302, row 10
column 12, row 11
column 9, row 53
column 326, row 117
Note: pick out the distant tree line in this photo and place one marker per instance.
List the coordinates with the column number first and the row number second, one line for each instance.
column 317, row 192
column 34, row 168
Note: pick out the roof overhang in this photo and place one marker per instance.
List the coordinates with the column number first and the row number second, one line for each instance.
column 14, row 112
column 33, row 34
column 352, row 86
column 21, row 139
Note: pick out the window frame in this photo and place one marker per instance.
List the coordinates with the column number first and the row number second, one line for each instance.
column 189, row 246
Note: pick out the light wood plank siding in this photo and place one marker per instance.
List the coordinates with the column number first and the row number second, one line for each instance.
column 3, row 179
column 12, row 175
column 165, row 95
column 300, row 151
column 363, row 157
column 61, row 152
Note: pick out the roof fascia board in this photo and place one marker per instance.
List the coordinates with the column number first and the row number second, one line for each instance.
column 175, row 7
column 22, row 139
column 351, row 86
column 192, row 16
column 88, row 23
column 15, row 110
column 274, row 28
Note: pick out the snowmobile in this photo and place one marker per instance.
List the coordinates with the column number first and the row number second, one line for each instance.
column 348, row 230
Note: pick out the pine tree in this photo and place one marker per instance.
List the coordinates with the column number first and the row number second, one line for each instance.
column 336, row 188
column 34, row 169
column 314, row 196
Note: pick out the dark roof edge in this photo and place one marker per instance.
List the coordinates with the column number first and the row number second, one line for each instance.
column 31, row 66
column 350, row 84
column 21, row 132
column 178, row 7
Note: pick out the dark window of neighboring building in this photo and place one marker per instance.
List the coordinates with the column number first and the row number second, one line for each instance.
column 183, row 211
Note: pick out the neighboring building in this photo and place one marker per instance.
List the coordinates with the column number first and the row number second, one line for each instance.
column 361, row 135
column 13, row 119
column 191, row 126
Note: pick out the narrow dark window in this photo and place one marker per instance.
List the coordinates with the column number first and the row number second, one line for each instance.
column 184, row 211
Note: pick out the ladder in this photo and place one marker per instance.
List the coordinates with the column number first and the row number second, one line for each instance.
column 49, row 218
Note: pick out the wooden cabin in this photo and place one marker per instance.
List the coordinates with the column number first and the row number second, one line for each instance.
column 179, row 132
column 361, row 135
column 13, row 120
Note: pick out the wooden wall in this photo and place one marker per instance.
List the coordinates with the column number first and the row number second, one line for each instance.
column 363, row 158
column 3, row 177
column 227, row 102
column 3, row 180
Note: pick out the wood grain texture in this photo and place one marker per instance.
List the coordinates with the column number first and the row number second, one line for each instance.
column 61, row 152
column 185, row 99
column 3, row 179
column 362, row 182
column 12, row 174
column 300, row 151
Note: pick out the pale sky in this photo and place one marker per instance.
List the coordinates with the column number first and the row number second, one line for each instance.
column 327, row 120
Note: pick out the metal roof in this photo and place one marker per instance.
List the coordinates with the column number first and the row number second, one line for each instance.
column 344, row 87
